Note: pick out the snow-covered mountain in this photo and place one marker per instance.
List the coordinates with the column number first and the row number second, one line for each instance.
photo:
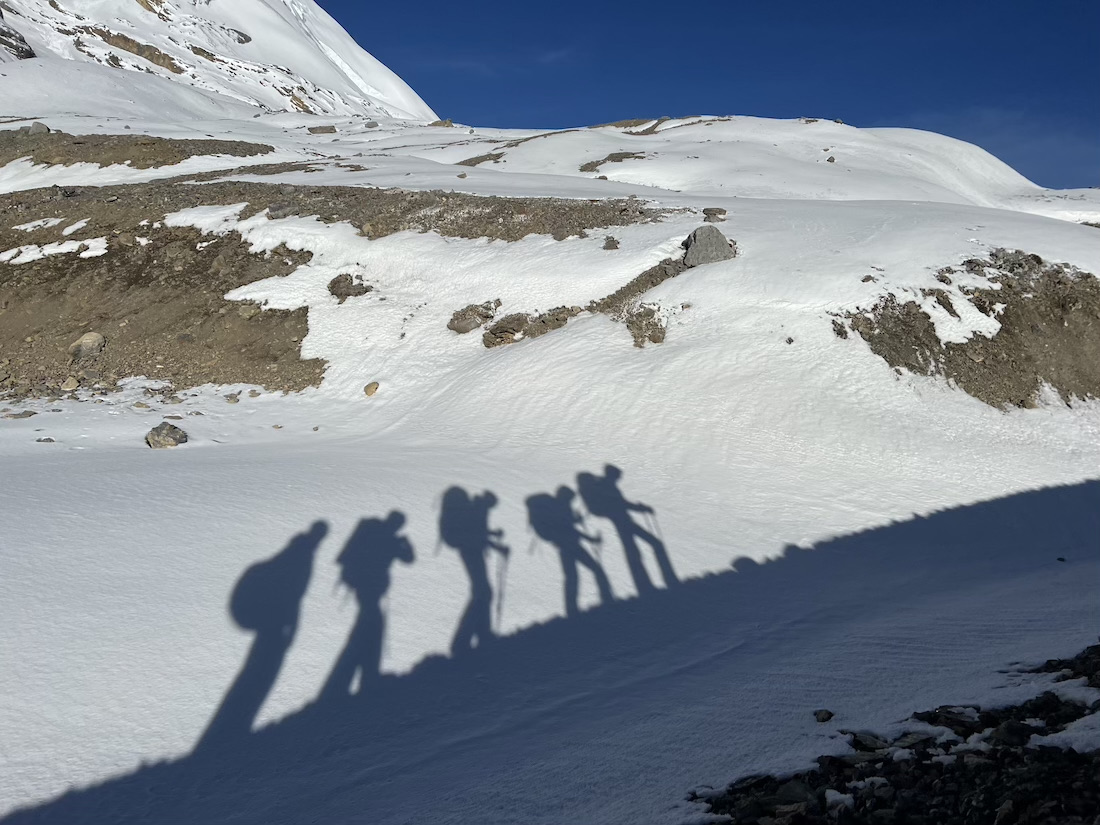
column 275, row 54
column 850, row 467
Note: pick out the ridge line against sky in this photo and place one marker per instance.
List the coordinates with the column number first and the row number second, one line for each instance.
column 1016, row 78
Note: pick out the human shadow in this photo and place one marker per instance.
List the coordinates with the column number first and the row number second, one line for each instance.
column 554, row 520
column 266, row 600
column 464, row 526
column 498, row 734
column 365, row 563
column 603, row 498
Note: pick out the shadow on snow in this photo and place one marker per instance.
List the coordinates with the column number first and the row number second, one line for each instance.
column 319, row 763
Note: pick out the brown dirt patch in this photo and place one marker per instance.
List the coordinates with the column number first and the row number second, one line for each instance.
column 160, row 304
column 478, row 159
column 140, row 151
column 1050, row 332
column 614, row 157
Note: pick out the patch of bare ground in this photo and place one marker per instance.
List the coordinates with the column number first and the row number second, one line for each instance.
column 140, row 151
column 156, row 295
column 1049, row 315
column 479, row 159
column 614, row 157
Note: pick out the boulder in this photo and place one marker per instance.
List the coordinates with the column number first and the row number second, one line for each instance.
column 707, row 245
column 165, row 435
column 322, row 130
column 87, row 346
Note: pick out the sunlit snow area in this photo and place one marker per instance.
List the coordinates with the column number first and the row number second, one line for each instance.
column 785, row 521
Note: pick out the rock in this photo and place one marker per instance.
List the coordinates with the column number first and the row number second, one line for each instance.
column 370, row 389
column 794, row 792
column 70, row 384
column 248, row 311
column 714, row 214
column 610, row 242
column 322, row 130
column 830, row 159
column 165, row 435
column 448, row 123
column 173, row 418
column 23, row 414
column 823, row 715
column 253, row 393
column 35, row 128
column 463, row 175
column 45, row 440
column 233, row 398
column 472, row 316
column 1012, row 733
column 141, row 405
column 867, row 742
column 707, row 245
column 281, row 210
column 344, row 286
column 371, row 124
column 88, row 345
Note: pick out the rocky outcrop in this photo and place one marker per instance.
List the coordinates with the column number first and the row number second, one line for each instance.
column 12, row 42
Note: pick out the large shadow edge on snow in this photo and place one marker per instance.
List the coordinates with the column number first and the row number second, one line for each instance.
column 312, row 765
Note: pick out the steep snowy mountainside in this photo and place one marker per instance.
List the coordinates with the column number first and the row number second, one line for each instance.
column 12, row 44
column 276, row 54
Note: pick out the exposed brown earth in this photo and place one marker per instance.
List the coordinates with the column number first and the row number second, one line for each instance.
column 157, row 293
column 140, row 151
column 614, row 157
column 1050, row 332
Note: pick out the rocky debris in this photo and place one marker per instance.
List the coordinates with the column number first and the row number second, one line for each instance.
column 707, row 245
column 978, row 768
column 645, row 324
column 45, row 440
column 88, row 345
column 448, row 123
column 614, row 157
column 473, row 316
column 518, row 326
column 322, row 130
column 714, row 214
column 488, row 157
column 1049, row 317
column 610, row 243
column 13, row 42
column 165, row 435
column 823, row 715
column 20, row 415
column 232, row 398
column 345, row 286
column 70, row 384
column 139, row 151
column 370, row 389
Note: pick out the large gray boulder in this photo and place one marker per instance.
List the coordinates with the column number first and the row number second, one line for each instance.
column 707, row 245
column 165, row 435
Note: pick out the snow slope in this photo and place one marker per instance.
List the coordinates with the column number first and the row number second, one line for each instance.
column 894, row 543
column 275, row 54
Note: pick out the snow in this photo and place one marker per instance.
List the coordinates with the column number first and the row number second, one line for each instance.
column 844, row 537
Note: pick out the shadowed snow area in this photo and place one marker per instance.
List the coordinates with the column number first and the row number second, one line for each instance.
column 399, row 572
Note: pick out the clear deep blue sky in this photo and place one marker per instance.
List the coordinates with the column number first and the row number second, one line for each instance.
column 1020, row 78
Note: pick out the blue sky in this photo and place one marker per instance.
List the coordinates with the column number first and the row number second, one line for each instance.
column 1019, row 77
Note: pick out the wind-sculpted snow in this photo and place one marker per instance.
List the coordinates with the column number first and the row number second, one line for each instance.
column 275, row 54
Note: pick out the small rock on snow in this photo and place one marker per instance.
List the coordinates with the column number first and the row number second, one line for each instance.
column 165, row 435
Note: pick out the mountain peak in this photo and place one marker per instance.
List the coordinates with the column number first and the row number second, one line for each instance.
column 279, row 55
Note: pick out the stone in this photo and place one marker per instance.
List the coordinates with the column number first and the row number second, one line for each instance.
column 371, row 124
column 610, row 242
column 707, row 245
column 830, row 159
column 165, row 435
column 370, row 389
column 1012, row 733
column 322, row 130
column 70, row 384
column 45, row 440
column 714, row 214
column 472, row 316
column 88, row 345
column 23, row 414
column 233, row 398
column 35, row 128
column 344, row 286
column 141, row 405
column 248, row 311
column 463, row 175
column 823, row 715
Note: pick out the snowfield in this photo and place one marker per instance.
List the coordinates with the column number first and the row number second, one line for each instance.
column 841, row 535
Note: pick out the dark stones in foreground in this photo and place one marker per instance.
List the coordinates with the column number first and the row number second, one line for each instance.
column 979, row 767
column 165, row 435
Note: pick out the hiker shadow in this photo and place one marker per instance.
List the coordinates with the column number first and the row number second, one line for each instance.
column 470, row 727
